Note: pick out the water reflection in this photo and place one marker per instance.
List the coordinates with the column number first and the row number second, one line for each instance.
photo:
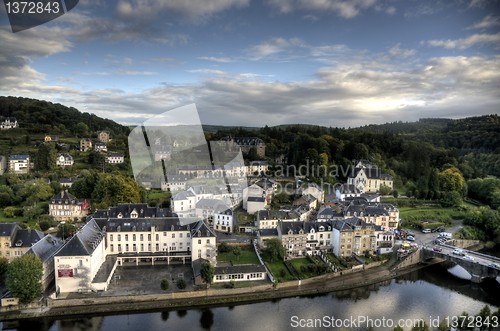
column 420, row 294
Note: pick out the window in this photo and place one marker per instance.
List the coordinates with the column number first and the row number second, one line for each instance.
column 199, row 241
column 180, row 235
column 157, row 237
column 119, row 247
column 111, row 248
column 142, row 247
column 126, row 247
column 199, row 253
column 110, row 237
column 173, row 235
column 119, row 237
column 141, row 237
column 133, row 237
column 134, row 248
column 149, row 237
column 126, row 237
column 164, row 234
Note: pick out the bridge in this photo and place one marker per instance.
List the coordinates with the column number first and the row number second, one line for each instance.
column 480, row 266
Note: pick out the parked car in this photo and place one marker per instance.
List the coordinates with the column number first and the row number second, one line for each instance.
column 410, row 238
column 426, row 231
column 494, row 265
column 458, row 251
column 437, row 249
column 411, row 234
column 468, row 258
column 440, row 229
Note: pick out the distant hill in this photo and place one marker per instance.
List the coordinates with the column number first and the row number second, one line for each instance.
column 40, row 117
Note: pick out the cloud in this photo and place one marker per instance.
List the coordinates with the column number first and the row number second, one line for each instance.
column 489, row 21
column 272, row 47
column 310, row 18
column 193, row 10
column 216, row 59
column 464, row 43
column 343, row 8
column 400, row 52
column 346, row 94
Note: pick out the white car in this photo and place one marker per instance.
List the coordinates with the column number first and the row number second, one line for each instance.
column 458, row 251
column 468, row 258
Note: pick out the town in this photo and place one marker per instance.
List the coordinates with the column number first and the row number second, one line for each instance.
column 196, row 226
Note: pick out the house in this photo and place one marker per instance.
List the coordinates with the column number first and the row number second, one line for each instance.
column 294, row 238
column 367, row 177
column 66, row 182
column 50, row 138
column 239, row 273
column 308, row 201
column 100, row 147
column 132, row 210
column 103, row 136
column 252, row 191
column 45, row 249
column 22, row 241
column 115, row 158
column 319, row 237
column 79, row 260
column 314, row 190
column 162, row 152
column 254, row 204
column 183, row 203
column 64, row 159
column 385, row 240
column 8, row 123
column 207, row 208
column 3, row 165
column 223, row 221
column 330, row 214
column 174, row 183
column 353, row 236
column 265, row 234
column 85, row 144
column 247, row 143
column 381, row 214
column 257, row 168
column 269, row 219
column 65, row 207
column 7, row 233
column 19, row 163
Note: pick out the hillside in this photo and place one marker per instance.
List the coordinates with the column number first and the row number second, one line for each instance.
column 42, row 117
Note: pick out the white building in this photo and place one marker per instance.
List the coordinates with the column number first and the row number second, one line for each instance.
column 223, row 221
column 64, row 159
column 8, row 123
column 115, row 158
column 78, row 262
column 19, row 164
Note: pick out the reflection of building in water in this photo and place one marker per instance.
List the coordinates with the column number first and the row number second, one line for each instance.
column 88, row 324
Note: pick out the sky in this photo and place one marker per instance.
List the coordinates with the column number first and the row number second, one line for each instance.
column 339, row 63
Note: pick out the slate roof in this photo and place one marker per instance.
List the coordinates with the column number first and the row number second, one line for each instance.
column 26, row 237
column 200, row 229
column 47, row 247
column 272, row 215
column 8, row 229
column 256, row 199
column 268, row 232
column 19, row 157
column 64, row 197
column 84, row 242
column 183, row 195
column 142, row 224
column 294, row 226
column 143, row 210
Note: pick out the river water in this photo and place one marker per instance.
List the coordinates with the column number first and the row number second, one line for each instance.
column 427, row 294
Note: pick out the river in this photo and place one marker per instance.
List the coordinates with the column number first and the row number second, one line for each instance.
column 430, row 293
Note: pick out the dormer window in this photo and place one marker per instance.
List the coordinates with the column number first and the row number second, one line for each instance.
column 119, row 215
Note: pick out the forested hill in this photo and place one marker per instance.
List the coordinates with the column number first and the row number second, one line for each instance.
column 38, row 116
column 481, row 133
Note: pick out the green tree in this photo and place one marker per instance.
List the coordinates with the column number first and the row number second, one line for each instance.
column 483, row 316
column 274, row 250
column 65, row 230
column 384, row 190
column 12, row 212
column 421, row 326
column 451, row 179
column 4, row 265
column 82, row 129
column 33, row 192
column 46, row 157
column 207, row 272
column 451, row 199
column 398, row 328
column 181, row 284
column 237, row 252
column 23, row 277
column 164, row 284
column 224, row 247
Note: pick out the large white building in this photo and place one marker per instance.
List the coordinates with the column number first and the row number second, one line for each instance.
column 19, row 163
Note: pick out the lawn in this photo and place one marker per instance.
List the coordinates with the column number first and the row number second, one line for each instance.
column 297, row 264
column 247, row 256
column 244, row 218
column 434, row 213
column 279, row 271
column 18, row 219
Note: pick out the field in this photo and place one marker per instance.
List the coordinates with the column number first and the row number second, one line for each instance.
column 247, row 256
column 431, row 213
column 280, row 271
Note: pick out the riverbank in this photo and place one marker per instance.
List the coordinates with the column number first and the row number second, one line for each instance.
column 198, row 299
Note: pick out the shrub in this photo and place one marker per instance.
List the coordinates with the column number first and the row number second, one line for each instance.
column 164, row 284
column 181, row 284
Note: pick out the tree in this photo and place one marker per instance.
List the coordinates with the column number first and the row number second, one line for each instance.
column 81, row 129
column 46, row 157
column 224, row 247
column 65, row 230
column 451, row 179
column 23, row 277
column 274, row 250
column 451, row 199
column 4, row 264
column 398, row 328
column 395, row 194
column 421, row 326
column 237, row 252
column 384, row 190
column 181, row 284
column 207, row 272
column 164, row 284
